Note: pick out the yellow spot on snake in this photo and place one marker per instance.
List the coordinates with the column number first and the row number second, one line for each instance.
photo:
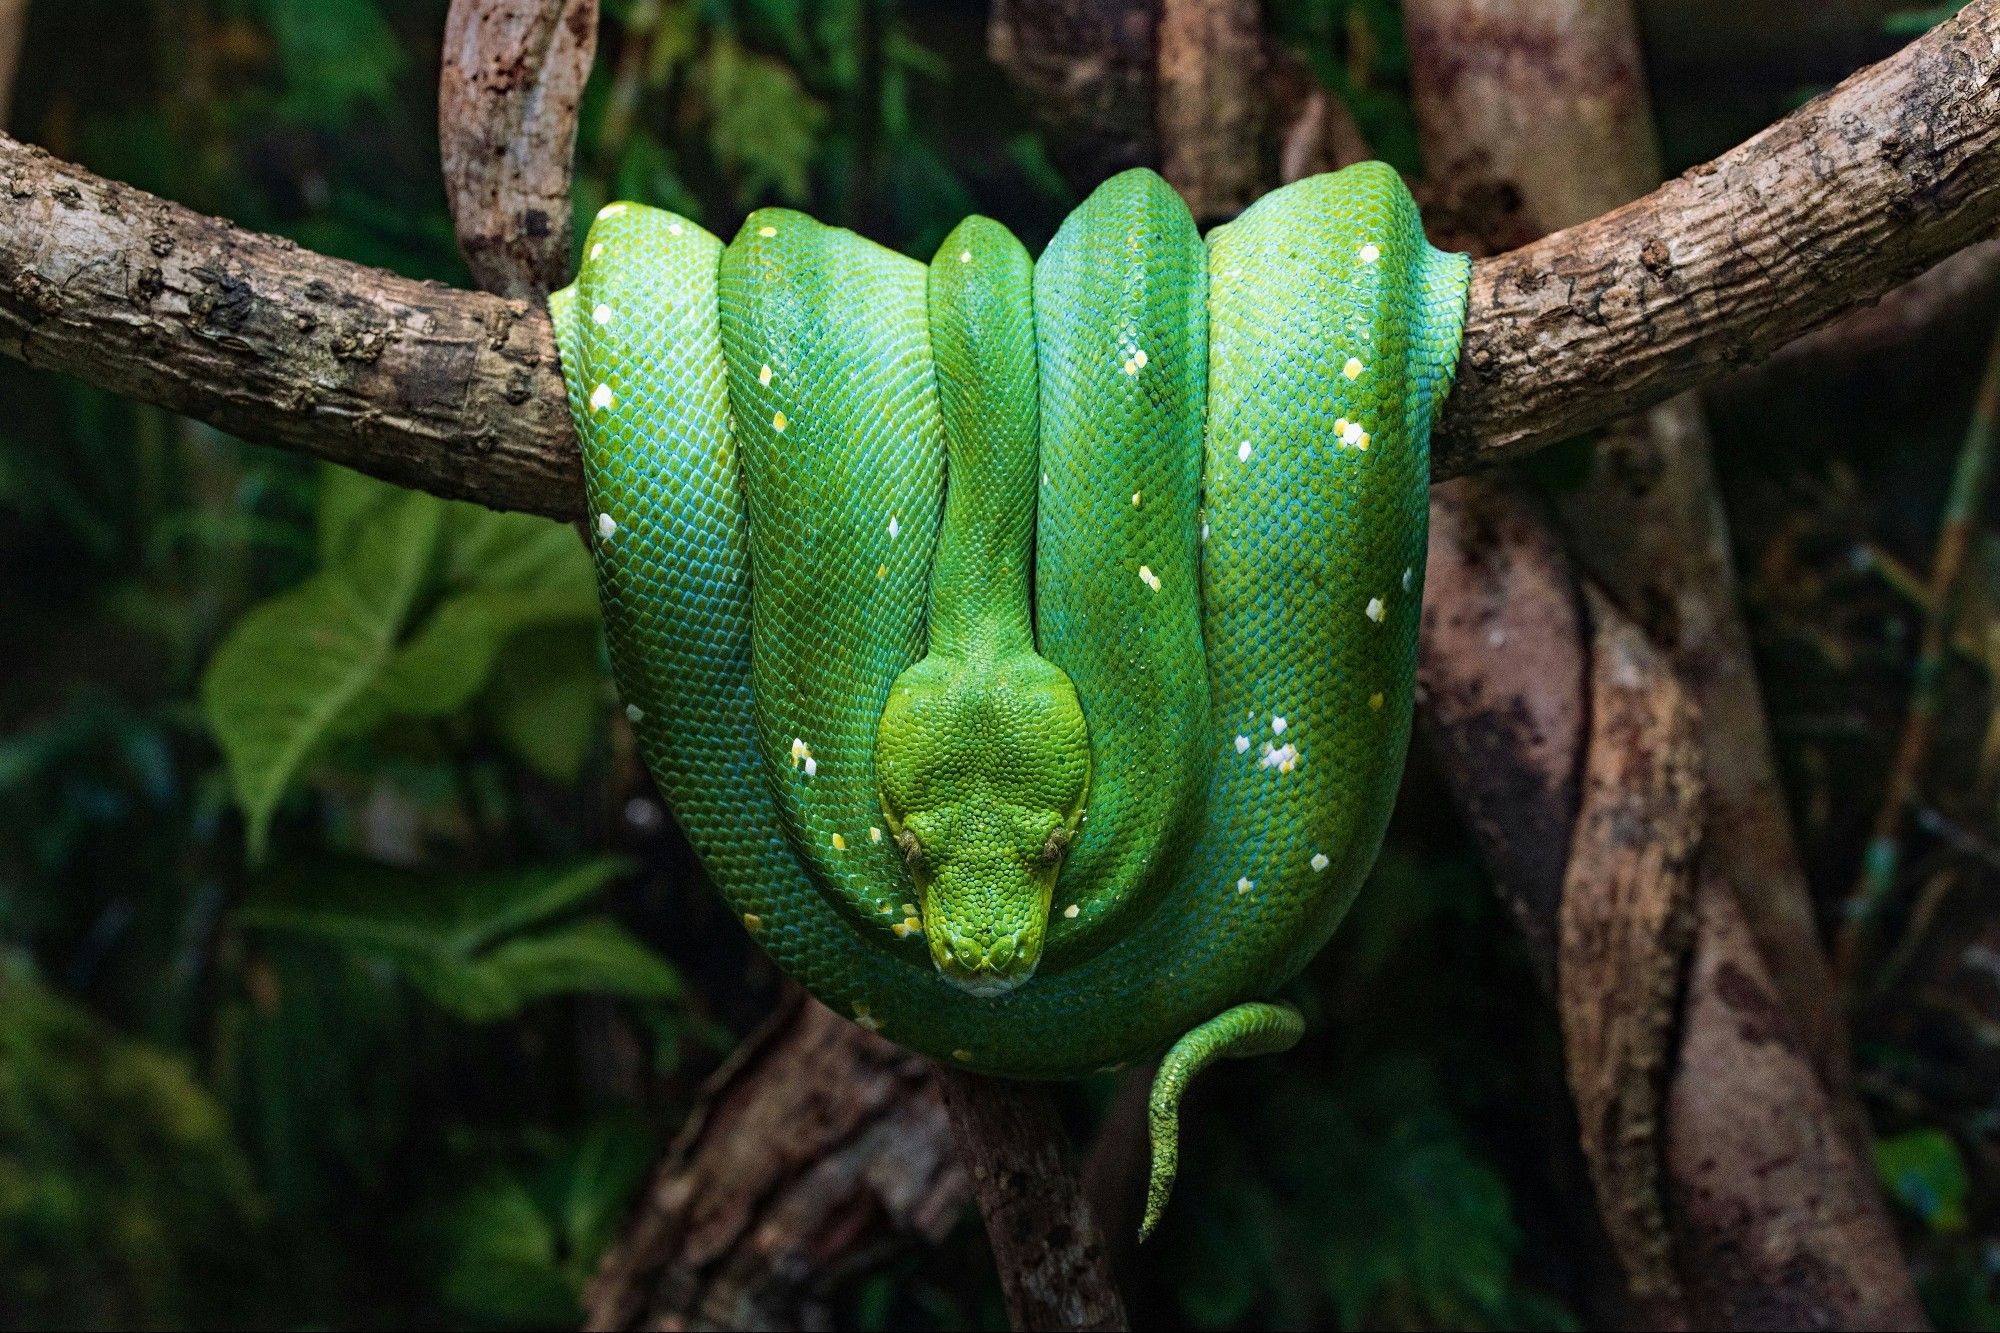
column 1376, row 610
column 1135, row 499
column 839, row 843
column 767, row 231
column 801, row 752
column 962, row 1055
column 764, row 376
column 881, row 571
column 1353, row 368
column 1245, row 885
column 1375, row 701
column 607, row 527
column 965, row 256
column 601, row 397
column 778, row 423
column 874, row 834
column 1149, row 578
column 866, row 1019
column 1319, row 862
column 1362, row 443
column 909, row 909
column 1139, row 358
column 752, row 922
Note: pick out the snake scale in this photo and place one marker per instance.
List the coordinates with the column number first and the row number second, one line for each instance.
column 1026, row 648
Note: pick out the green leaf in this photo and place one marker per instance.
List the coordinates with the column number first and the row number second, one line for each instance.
column 764, row 125
column 1927, row 1174
column 505, row 1265
column 301, row 670
column 338, row 56
column 415, row 601
column 545, row 700
column 593, row 957
column 465, row 941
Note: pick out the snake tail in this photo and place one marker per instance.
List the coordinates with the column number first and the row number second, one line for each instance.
column 1248, row 1029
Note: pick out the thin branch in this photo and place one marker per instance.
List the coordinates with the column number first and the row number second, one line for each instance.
column 458, row 393
column 1884, row 853
column 1054, row 1270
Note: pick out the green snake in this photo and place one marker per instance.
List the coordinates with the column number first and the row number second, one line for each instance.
column 1026, row 648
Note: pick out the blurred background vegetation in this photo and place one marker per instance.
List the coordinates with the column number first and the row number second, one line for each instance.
column 351, row 973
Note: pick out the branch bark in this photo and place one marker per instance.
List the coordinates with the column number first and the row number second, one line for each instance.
column 1054, row 1270
column 816, row 1152
column 512, row 79
column 459, row 393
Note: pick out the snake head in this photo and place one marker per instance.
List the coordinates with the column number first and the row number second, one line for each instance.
column 984, row 769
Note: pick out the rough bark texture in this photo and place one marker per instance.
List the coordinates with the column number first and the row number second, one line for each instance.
column 1089, row 71
column 1054, row 1271
column 1501, row 668
column 1541, row 108
column 459, row 393
column 1858, row 190
column 814, row 1153
column 1624, row 924
column 1212, row 102
column 512, row 77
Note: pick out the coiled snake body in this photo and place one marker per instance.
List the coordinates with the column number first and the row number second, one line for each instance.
column 1027, row 649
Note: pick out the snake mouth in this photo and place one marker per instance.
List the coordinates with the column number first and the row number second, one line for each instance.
column 985, row 971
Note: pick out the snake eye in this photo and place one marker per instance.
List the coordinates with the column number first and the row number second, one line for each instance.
column 1056, row 848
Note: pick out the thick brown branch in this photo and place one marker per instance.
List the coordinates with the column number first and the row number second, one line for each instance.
column 458, row 393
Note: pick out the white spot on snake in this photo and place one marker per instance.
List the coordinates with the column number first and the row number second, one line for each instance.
column 895, row 528
column 1245, row 885
column 675, row 228
column 1242, row 744
column 634, row 714
column 1353, row 368
column 1284, row 758
column 1352, row 433
column 601, row 397
column 1149, row 578
column 1243, row 452
column 1071, row 912
column 812, row 766
column 764, row 375
column 1376, row 610
column 597, row 250
column 874, row 834
column 1045, row 479
column 1135, row 499
column 866, row 1019
column 1139, row 358
column 965, row 256
column 801, row 752
column 607, row 527
column 1278, row 725
column 1319, row 862
column 752, row 922
column 1409, row 577
column 767, row 231
column 610, row 210
column 778, row 422
column 839, row 843
column 1204, row 530
column 602, row 314
column 1370, row 253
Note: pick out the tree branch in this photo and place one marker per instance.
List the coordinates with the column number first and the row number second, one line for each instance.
column 458, row 393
